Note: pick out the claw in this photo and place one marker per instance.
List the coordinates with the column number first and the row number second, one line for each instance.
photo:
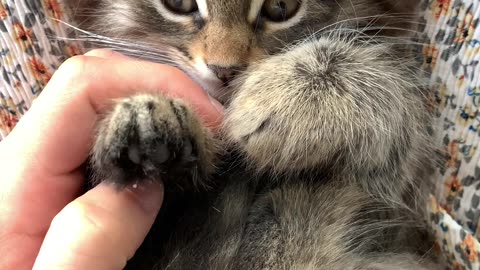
column 187, row 148
column 161, row 154
column 134, row 154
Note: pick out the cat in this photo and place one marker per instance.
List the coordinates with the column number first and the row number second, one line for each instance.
column 324, row 158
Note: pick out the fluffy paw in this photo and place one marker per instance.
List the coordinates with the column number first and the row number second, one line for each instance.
column 152, row 138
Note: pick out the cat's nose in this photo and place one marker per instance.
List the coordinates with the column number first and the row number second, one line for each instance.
column 224, row 73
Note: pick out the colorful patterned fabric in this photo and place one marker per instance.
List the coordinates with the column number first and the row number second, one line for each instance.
column 452, row 54
column 30, row 53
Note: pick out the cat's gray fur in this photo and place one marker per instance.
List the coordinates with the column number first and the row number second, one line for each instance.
column 327, row 131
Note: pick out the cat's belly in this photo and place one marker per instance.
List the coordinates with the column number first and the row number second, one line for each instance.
column 291, row 225
column 288, row 227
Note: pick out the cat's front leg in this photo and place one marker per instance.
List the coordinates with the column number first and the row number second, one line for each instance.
column 151, row 137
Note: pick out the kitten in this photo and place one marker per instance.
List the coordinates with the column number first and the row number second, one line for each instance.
column 324, row 161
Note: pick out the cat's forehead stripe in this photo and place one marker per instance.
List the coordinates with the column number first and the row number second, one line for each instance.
column 228, row 9
column 203, row 8
column 255, row 7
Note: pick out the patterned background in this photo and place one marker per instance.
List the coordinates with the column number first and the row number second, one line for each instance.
column 451, row 54
column 30, row 51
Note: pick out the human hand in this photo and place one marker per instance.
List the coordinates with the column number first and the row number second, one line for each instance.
column 43, row 222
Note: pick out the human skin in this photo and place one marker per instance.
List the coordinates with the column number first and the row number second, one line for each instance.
column 45, row 221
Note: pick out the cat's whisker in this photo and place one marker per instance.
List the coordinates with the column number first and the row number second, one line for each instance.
column 92, row 37
column 345, row 13
column 369, row 18
column 324, row 127
column 139, row 50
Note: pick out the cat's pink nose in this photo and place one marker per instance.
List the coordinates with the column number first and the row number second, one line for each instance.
column 225, row 74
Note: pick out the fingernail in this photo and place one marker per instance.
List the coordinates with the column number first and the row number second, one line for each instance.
column 148, row 194
column 217, row 105
column 116, row 54
column 105, row 53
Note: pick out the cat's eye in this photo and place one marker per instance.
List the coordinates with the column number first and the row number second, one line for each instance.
column 181, row 6
column 280, row 10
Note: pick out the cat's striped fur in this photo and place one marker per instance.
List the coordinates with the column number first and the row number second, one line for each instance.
column 324, row 159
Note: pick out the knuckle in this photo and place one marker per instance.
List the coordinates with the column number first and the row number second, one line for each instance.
column 75, row 66
column 100, row 53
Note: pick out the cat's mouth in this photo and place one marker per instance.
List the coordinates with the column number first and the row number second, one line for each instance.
column 216, row 88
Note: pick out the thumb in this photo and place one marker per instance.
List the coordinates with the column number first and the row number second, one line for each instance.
column 101, row 229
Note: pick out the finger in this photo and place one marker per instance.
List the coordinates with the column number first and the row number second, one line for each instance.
column 100, row 230
column 90, row 84
column 54, row 137
column 105, row 53
column 80, row 90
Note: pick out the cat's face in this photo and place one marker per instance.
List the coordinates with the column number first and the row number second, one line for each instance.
column 213, row 40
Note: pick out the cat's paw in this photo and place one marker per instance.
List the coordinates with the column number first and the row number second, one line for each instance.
column 292, row 113
column 149, row 137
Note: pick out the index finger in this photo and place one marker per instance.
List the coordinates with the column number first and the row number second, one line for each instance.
column 82, row 89
column 54, row 137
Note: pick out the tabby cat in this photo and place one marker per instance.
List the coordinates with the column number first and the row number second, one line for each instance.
column 323, row 161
